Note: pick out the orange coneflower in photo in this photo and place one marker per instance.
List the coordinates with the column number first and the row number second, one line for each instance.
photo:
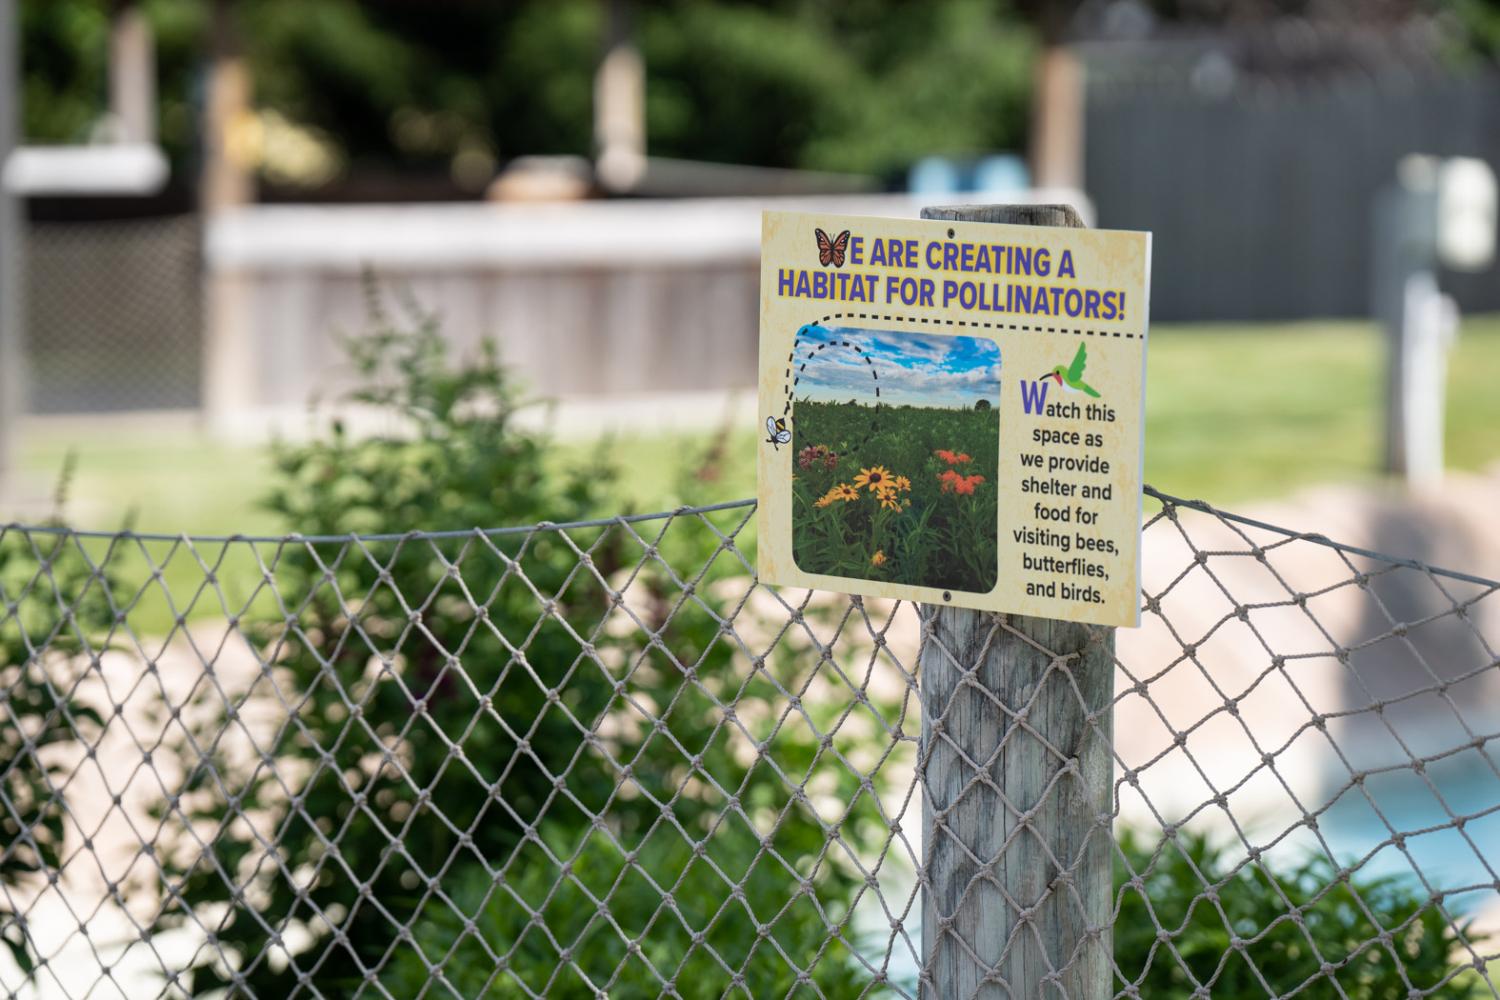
column 954, row 483
column 919, row 518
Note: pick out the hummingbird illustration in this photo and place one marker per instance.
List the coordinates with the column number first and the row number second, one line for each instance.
column 1071, row 377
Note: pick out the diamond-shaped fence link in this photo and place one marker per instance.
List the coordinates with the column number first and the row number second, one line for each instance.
column 602, row 759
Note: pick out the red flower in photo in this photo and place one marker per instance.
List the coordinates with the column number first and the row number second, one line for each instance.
column 962, row 485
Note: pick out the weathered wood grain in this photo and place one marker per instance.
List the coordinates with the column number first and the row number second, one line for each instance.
column 1017, row 774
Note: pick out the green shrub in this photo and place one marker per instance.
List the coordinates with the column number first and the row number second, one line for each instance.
column 392, row 670
column 1310, row 911
column 524, row 835
column 54, row 608
column 607, row 906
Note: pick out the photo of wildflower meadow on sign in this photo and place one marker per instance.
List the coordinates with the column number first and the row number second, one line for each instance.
column 895, row 440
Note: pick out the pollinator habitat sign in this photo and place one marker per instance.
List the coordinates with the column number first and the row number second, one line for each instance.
column 953, row 412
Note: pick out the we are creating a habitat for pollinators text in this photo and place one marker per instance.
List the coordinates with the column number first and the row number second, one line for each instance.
column 1014, row 279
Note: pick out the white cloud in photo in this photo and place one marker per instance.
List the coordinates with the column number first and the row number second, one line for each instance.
column 910, row 369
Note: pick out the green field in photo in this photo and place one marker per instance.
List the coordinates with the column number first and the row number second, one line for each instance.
column 900, row 494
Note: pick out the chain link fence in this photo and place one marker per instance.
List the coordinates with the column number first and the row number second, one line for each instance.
column 601, row 759
column 114, row 316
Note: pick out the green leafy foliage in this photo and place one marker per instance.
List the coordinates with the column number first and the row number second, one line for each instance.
column 483, row 729
column 1290, row 919
column 606, row 903
column 800, row 81
column 903, row 494
column 860, row 87
column 866, row 86
column 65, row 67
column 55, row 604
column 1479, row 24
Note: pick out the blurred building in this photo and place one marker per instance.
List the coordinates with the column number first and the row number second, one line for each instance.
column 1254, row 148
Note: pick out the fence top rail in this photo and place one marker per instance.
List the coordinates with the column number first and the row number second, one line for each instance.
column 1320, row 539
column 293, row 538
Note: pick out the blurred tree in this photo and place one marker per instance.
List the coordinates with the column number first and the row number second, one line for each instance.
column 376, row 86
column 867, row 86
column 65, row 51
column 1480, row 21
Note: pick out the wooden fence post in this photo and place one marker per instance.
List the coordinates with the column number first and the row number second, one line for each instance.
column 1017, row 774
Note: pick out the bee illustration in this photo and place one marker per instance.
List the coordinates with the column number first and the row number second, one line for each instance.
column 777, row 434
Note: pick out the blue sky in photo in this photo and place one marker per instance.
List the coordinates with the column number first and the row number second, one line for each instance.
column 916, row 369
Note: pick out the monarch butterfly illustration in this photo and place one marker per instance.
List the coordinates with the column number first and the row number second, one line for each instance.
column 777, row 434
column 832, row 251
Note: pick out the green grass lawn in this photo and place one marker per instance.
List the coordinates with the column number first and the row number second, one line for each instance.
column 935, row 527
column 153, row 479
column 1234, row 413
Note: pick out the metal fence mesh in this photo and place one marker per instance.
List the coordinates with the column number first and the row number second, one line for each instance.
column 603, row 760
column 114, row 317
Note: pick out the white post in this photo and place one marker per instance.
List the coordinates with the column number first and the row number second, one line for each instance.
column 1438, row 212
column 132, row 75
column 229, row 360
column 620, row 106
